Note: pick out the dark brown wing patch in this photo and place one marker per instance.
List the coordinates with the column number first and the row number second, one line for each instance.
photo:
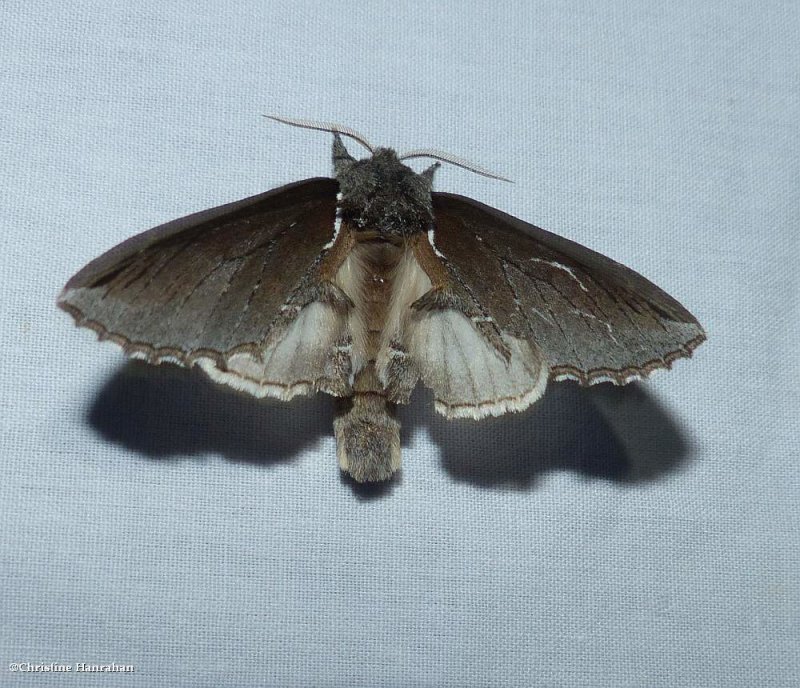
column 208, row 284
column 594, row 319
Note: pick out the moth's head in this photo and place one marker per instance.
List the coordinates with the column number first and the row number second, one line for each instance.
column 381, row 193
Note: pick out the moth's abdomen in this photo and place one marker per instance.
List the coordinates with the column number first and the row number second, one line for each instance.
column 367, row 432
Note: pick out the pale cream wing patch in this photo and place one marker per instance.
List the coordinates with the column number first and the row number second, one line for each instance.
column 470, row 378
column 311, row 353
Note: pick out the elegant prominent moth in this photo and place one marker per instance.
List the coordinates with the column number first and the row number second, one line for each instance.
column 364, row 285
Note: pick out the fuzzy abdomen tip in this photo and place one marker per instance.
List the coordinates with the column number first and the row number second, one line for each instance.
column 367, row 438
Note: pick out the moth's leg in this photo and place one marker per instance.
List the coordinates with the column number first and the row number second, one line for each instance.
column 318, row 284
column 442, row 286
column 328, row 268
column 336, row 255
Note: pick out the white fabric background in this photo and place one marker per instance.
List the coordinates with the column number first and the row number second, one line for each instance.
column 644, row 536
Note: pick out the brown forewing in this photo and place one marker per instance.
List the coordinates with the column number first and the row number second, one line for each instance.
column 209, row 283
column 593, row 318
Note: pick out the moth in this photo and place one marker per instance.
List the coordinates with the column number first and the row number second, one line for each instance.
column 369, row 283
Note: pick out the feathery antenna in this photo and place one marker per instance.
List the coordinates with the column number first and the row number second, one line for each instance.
column 324, row 126
column 420, row 153
column 453, row 160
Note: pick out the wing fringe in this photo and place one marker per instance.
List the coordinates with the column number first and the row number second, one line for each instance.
column 625, row 375
column 200, row 357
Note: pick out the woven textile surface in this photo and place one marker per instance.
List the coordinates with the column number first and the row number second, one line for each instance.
column 607, row 537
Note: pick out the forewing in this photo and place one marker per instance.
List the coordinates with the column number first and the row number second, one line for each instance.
column 231, row 289
column 594, row 319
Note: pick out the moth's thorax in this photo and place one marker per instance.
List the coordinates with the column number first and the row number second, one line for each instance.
column 381, row 194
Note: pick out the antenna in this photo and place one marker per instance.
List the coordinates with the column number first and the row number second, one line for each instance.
column 453, row 160
column 323, row 126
